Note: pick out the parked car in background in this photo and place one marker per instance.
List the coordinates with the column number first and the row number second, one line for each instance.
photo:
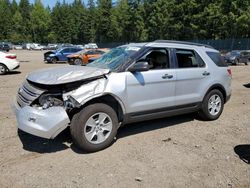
column 35, row 46
column 245, row 57
column 4, row 47
column 79, row 46
column 82, row 57
column 60, row 55
column 237, row 57
column 8, row 62
column 51, row 47
column 130, row 83
column 90, row 46
column 27, row 46
column 17, row 47
column 59, row 46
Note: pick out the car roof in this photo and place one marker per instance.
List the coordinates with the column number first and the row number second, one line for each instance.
column 173, row 44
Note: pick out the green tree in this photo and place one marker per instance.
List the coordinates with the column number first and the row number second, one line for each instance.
column 5, row 23
column 121, row 20
column 103, row 20
column 62, row 22
column 78, row 13
column 39, row 21
column 17, row 28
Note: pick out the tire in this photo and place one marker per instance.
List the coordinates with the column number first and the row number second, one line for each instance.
column 53, row 60
column 212, row 105
column 89, row 130
column 237, row 62
column 78, row 61
column 3, row 69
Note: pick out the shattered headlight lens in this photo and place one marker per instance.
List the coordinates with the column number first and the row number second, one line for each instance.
column 49, row 100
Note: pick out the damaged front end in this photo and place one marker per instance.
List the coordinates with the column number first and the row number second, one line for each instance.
column 45, row 110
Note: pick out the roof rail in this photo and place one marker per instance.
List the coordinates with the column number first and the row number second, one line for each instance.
column 183, row 42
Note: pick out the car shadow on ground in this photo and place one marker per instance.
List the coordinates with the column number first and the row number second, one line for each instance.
column 42, row 145
column 243, row 151
column 247, row 85
column 13, row 72
column 141, row 127
column 63, row 141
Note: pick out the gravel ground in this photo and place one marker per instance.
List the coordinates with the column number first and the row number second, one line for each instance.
column 173, row 152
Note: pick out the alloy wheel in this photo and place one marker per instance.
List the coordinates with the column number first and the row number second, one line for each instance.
column 98, row 128
column 214, row 104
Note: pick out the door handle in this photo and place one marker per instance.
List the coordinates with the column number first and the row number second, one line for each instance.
column 206, row 73
column 167, row 76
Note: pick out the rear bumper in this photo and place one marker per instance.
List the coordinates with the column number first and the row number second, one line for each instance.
column 16, row 67
column 12, row 65
column 46, row 123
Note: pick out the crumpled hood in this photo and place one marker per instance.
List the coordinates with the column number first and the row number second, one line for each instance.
column 62, row 75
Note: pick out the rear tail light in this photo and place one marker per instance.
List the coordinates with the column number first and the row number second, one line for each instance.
column 11, row 56
column 229, row 72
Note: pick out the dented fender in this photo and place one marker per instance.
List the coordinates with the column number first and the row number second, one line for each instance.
column 98, row 88
column 86, row 91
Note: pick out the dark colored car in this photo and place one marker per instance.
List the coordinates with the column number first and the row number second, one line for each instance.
column 4, row 47
column 237, row 57
column 60, row 55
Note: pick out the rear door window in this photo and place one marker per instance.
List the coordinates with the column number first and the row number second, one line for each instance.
column 188, row 59
column 66, row 50
column 75, row 49
column 217, row 59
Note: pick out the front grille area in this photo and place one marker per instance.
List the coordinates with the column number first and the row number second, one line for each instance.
column 27, row 94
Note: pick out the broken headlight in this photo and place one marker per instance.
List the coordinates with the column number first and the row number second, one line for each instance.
column 49, row 100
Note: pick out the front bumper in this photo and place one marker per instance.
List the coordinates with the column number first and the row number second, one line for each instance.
column 45, row 123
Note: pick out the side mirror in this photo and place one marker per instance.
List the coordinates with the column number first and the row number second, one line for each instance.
column 139, row 67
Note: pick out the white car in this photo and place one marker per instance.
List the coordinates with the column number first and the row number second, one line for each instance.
column 8, row 62
column 35, row 46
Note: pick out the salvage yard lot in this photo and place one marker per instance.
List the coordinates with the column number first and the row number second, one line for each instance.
column 172, row 152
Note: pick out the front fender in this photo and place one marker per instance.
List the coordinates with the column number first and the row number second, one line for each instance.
column 87, row 91
column 90, row 91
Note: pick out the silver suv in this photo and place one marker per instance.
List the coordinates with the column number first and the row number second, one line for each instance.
column 130, row 83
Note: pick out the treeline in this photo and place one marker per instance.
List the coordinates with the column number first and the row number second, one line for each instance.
column 123, row 20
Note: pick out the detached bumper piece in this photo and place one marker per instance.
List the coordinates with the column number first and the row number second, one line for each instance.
column 45, row 123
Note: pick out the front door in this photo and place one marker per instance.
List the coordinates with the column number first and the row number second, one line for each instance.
column 154, row 89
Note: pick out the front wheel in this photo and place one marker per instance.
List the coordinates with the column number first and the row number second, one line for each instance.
column 78, row 61
column 212, row 105
column 94, row 127
column 54, row 60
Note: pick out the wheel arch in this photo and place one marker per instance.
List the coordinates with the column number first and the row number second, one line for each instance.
column 220, row 88
column 57, row 58
column 111, row 100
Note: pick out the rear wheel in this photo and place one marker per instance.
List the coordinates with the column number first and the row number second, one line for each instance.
column 3, row 69
column 94, row 127
column 212, row 105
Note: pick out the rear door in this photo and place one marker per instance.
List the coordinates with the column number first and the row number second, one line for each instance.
column 152, row 91
column 191, row 76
